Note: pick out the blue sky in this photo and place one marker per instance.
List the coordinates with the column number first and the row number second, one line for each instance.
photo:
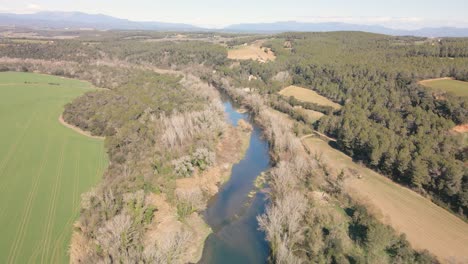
column 407, row 14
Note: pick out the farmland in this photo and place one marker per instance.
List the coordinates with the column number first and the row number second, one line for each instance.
column 307, row 95
column 448, row 85
column 426, row 225
column 44, row 167
column 253, row 51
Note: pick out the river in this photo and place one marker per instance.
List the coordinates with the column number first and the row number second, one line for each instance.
column 232, row 213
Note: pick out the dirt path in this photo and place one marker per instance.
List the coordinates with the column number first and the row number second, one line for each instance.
column 423, row 82
column 461, row 128
column 316, row 133
column 77, row 129
column 426, row 225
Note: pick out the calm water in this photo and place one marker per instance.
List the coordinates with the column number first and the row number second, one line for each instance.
column 231, row 213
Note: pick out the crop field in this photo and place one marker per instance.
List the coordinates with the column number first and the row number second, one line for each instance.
column 44, row 167
column 448, row 85
column 426, row 225
column 308, row 95
column 253, row 51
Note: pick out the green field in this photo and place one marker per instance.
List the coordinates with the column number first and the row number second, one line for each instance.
column 44, row 167
column 451, row 86
column 308, row 95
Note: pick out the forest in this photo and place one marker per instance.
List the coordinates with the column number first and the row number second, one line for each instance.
column 388, row 121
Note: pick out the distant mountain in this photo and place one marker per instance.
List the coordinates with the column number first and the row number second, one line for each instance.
column 278, row 27
column 438, row 32
column 78, row 20
column 302, row 27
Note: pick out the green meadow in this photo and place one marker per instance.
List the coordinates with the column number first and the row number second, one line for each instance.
column 44, row 167
column 455, row 87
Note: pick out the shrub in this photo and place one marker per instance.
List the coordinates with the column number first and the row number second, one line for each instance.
column 202, row 158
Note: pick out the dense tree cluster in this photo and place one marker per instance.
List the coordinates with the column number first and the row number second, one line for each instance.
column 451, row 48
column 161, row 127
column 135, row 119
column 306, row 228
column 388, row 121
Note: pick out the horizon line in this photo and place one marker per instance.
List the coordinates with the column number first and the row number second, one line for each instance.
column 312, row 20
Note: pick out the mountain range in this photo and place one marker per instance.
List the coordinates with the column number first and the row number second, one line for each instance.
column 79, row 20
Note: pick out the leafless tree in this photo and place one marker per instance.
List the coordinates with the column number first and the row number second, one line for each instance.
column 180, row 128
column 114, row 237
column 283, row 225
column 170, row 250
column 193, row 197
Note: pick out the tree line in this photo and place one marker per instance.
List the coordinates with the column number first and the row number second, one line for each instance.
column 389, row 121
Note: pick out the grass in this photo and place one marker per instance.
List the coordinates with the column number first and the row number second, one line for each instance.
column 44, row 167
column 308, row 95
column 448, row 85
column 426, row 225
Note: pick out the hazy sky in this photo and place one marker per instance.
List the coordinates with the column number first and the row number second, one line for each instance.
column 217, row 13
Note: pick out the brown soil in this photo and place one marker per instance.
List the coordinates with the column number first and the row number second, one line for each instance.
column 77, row 129
column 166, row 224
column 461, row 128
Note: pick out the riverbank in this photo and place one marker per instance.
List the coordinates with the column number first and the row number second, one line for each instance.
column 197, row 190
column 232, row 213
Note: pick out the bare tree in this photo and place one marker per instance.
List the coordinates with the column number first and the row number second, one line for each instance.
column 114, row 238
column 170, row 250
column 283, row 225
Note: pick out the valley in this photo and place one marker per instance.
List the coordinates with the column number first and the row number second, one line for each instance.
column 215, row 147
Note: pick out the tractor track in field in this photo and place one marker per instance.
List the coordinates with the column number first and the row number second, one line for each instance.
column 53, row 205
column 56, row 249
column 75, row 209
column 57, row 245
column 19, row 239
column 14, row 147
column 38, row 156
column 76, row 180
